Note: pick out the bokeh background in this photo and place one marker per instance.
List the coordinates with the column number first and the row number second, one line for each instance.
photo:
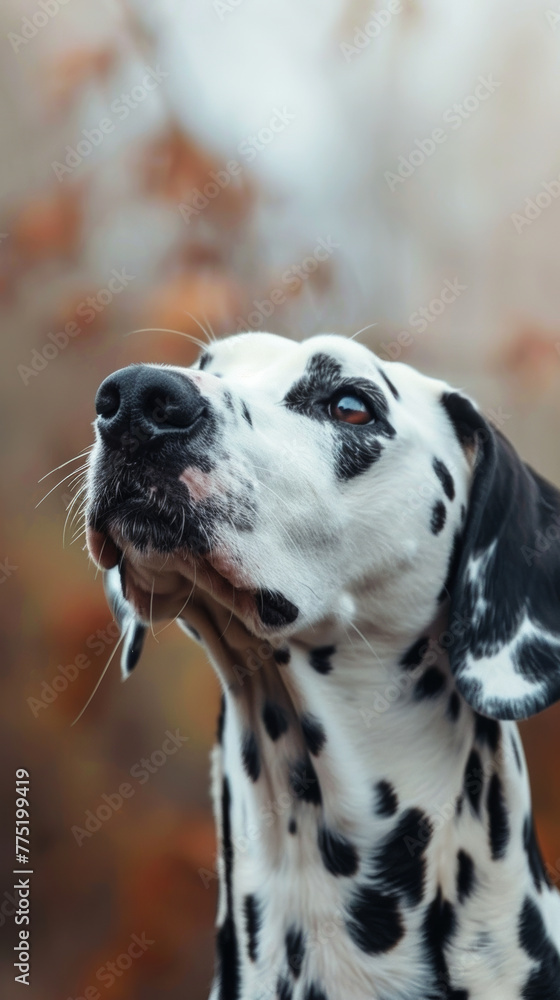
column 201, row 150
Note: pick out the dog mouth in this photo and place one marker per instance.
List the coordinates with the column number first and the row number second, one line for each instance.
column 160, row 585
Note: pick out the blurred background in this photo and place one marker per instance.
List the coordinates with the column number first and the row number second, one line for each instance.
column 197, row 167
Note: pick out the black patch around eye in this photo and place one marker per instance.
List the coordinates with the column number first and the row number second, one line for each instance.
column 387, row 802
column 438, row 518
column 274, row 609
column 536, row 864
column 487, row 732
column 415, row 653
column 246, row 414
column 340, row 857
column 399, row 865
column 465, row 876
column 305, row 783
column 374, row 921
column 251, row 756
column 389, row 384
column 252, row 912
column 533, row 938
column 473, row 780
column 204, row 361
column 275, row 720
column 320, row 379
column 499, row 822
column 430, row 684
column 454, row 707
column 295, row 950
column 320, row 659
column 355, row 456
column 445, row 478
column 313, row 733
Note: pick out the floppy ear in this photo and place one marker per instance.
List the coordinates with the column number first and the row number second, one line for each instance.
column 505, row 596
column 125, row 617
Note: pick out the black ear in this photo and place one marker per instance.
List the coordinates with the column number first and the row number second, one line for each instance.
column 505, row 597
column 133, row 629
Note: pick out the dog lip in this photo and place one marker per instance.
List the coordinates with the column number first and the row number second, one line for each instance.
column 102, row 549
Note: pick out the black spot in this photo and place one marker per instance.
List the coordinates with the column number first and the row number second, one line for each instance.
column 284, row 989
column 282, row 656
column 445, row 478
column 465, row 876
column 314, row 993
column 474, row 780
column 292, row 827
column 499, row 822
column 228, row 960
column 438, row 929
column 221, row 720
column 228, row 400
column 430, row 684
column 389, row 384
column 295, row 950
column 439, row 516
column 399, row 865
column 313, row 733
column 304, row 782
column 274, row 609
column 487, row 732
column 459, row 805
column 227, row 948
column 275, row 720
column 134, row 645
column 374, row 921
column 204, row 360
column 536, row 864
column 387, row 801
column 544, row 981
column 340, row 857
column 415, row 654
column 320, row 659
column 252, row 924
column 454, row 707
column 251, row 756
column 246, row 414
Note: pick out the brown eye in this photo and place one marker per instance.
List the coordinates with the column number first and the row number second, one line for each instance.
column 350, row 410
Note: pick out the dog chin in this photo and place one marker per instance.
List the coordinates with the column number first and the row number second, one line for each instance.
column 160, row 585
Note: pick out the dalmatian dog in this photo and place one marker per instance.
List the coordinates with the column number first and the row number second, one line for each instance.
column 356, row 548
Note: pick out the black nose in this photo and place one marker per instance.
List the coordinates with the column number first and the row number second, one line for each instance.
column 139, row 407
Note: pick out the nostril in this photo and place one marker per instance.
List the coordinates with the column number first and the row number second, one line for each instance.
column 107, row 400
column 168, row 409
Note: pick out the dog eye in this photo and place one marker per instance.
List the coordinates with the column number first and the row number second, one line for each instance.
column 349, row 409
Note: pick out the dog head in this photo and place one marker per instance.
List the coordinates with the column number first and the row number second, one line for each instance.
column 296, row 485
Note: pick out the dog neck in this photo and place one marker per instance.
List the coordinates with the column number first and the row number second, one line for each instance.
column 365, row 812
